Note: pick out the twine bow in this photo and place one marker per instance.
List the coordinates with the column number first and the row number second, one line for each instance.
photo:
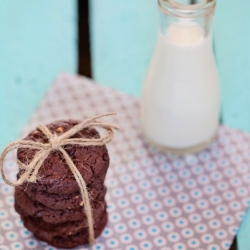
column 56, row 143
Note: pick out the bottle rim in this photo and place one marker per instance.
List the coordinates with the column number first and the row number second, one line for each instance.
column 201, row 9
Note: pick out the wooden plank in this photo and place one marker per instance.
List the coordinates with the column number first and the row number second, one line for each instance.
column 38, row 40
column 123, row 35
column 232, row 39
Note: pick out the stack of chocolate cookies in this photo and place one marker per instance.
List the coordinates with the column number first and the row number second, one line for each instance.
column 52, row 208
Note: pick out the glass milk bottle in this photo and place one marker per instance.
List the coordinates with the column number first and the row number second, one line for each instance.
column 180, row 99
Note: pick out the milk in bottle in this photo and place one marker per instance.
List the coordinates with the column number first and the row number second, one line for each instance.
column 180, row 99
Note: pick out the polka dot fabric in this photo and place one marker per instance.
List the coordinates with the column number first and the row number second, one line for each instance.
column 155, row 201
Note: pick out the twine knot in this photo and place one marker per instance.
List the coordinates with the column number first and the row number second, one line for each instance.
column 56, row 143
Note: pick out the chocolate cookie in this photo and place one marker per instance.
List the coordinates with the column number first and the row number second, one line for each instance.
column 38, row 210
column 52, row 208
column 63, row 201
column 55, row 175
column 64, row 229
column 69, row 241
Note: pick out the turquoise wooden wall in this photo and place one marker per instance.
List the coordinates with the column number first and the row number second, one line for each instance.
column 38, row 40
column 232, row 45
column 123, row 35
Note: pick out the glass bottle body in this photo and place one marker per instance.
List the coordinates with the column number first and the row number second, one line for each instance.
column 180, row 101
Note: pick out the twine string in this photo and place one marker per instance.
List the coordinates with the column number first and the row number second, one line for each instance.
column 56, row 143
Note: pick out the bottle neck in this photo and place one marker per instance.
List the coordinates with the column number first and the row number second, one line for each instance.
column 186, row 23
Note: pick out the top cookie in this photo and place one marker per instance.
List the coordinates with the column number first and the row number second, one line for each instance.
column 55, row 175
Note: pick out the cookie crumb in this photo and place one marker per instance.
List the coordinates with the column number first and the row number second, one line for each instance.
column 59, row 129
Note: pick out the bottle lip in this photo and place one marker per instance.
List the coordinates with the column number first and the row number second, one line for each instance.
column 201, row 9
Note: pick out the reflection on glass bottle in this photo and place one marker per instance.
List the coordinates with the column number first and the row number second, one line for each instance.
column 180, row 101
